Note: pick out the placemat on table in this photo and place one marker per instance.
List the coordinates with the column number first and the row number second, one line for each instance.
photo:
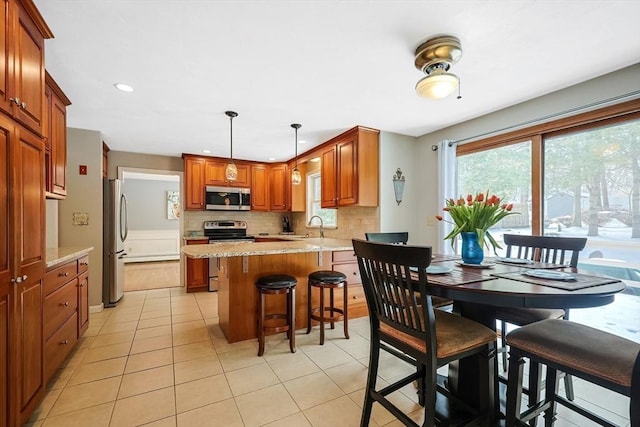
column 532, row 265
column 582, row 281
column 458, row 277
column 442, row 258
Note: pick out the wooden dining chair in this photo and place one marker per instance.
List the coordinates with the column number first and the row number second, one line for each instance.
column 593, row 355
column 548, row 249
column 401, row 238
column 404, row 323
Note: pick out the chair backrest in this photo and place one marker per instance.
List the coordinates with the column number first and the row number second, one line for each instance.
column 391, row 298
column 397, row 237
column 635, row 394
column 556, row 250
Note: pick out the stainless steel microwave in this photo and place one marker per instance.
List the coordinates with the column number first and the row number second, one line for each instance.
column 227, row 198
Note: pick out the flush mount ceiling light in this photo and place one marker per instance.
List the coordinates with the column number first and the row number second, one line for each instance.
column 434, row 58
column 123, row 87
column 231, row 171
column 296, row 178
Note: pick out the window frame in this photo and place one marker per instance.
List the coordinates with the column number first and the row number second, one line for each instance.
column 625, row 111
column 316, row 175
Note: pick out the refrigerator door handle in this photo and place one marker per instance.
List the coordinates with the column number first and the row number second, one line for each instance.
column 124, row 221
column 124, row 255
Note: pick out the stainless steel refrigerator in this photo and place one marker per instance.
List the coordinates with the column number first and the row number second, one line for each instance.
column 115, row 231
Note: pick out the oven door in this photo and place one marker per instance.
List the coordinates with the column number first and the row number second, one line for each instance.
column 222, row 199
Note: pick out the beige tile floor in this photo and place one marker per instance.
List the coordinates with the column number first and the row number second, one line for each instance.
column 160, row 359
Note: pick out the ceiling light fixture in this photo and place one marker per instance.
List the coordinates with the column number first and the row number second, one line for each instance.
column 231, row 171
column 434, row 58
column 123, row 87
column 296, row 178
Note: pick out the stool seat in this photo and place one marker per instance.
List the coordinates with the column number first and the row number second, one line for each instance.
column 271, row 323
column 327, row 279
column 327, row 276
column 276, row 281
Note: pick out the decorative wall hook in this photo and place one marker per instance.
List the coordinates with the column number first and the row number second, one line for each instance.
column 398, row 185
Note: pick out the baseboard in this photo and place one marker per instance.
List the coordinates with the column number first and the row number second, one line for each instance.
column 147, row 258
column 96, row 308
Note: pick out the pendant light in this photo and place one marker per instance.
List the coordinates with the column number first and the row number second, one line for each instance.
column 296, row 178
column 231, row 171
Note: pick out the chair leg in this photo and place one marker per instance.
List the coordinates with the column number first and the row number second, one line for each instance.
column 345, row 310
column 291, row 311
column 321, row 316
column 331, row 307
column 535, row 381
column 503, row 344
column 568, row 387
column 550, row 393
column 374, row 359
column 428, row 377
column 309, row 298
column 514, row 389
column 260, row 324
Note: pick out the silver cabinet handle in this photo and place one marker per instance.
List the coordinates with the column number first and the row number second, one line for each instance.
column 16, row 101
column 14, row 280
column 25, row 277
column 65, row 274
column 64, row 342
column 65, row 304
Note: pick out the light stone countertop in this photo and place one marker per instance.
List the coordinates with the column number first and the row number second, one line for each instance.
column 226, row 250
column 55, row 256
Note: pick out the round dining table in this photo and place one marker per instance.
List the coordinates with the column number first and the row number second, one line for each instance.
column 477, row 290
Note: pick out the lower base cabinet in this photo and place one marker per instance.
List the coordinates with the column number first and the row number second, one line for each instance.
column 65, row 310
column 197, row 270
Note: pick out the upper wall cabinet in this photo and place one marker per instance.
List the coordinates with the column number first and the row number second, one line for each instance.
column 22, row 74
column 279, row 180
column 349, row 171
column 215, row 173
column 194, row 177
column 55, row 134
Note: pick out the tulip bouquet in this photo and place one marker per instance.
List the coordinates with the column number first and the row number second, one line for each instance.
column 476, row 214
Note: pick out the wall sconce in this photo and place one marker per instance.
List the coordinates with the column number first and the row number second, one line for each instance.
column 398, row 185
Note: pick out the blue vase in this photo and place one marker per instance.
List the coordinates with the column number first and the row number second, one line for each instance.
column 472, row 252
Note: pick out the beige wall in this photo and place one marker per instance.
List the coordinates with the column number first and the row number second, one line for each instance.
column 616, row 84
column 84, row 194
column 142, row 161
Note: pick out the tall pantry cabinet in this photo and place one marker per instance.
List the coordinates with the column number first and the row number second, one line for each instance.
column 22, row 209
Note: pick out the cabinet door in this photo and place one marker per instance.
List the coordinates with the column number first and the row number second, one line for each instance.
column 58, row 137
column 279, row 192
column 328, row 175
column 83, row 303
column 259, row 186
column 194, row 169
column 347, row 175
column 214, row 172
column 197, row 270
column 27, row 162
column 28, row 78
column 6, row 291
column 5, row 74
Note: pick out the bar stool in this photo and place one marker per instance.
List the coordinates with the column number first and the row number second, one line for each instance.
column 326, row 279
column 277, row 284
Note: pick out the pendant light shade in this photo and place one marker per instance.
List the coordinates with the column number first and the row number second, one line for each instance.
column 231, row 171
column 296, row 178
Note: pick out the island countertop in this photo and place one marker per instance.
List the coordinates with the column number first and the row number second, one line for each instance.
column 226, row 250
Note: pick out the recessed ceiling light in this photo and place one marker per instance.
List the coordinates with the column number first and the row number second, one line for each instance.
column 302, row 141
column 206, row 151
column 271, row 159
column 123, row 87
column 315, row 160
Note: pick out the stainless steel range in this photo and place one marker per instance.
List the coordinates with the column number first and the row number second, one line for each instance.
column 225, row 231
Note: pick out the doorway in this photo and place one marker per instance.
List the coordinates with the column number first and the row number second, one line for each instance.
column 155, row 228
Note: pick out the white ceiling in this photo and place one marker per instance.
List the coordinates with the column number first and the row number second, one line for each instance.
column 328, row 65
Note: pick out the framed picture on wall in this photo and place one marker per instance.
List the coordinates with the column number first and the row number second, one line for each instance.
column 173, row 205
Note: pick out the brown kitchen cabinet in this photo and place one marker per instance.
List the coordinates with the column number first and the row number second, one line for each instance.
column 22, row 263
column 346, row 263
column 279, row 181
column 349, row 169
column 22, row 75
column 215, row 173
column 197, row 269
column 65, row 310
column 55, row 133
column 194, row 174
column 259, row 187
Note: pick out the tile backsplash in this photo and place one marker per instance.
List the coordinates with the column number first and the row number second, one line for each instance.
column 352, row 222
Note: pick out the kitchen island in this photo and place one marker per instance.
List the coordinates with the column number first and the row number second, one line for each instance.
column 241, row 263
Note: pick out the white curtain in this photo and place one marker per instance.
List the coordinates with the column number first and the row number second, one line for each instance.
column 447, row 188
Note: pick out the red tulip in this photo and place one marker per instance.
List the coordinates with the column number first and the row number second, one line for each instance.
column 439, row 217
column 460, row 201
column 446, row 209
column 479, row 197
column 469, row 198
column 509, row 206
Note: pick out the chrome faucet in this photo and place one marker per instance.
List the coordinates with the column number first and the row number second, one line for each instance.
column 321, row 224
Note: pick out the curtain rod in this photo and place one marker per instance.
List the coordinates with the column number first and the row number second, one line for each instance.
column 614, row 100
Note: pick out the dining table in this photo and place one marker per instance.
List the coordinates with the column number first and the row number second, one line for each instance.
column 477, row 289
